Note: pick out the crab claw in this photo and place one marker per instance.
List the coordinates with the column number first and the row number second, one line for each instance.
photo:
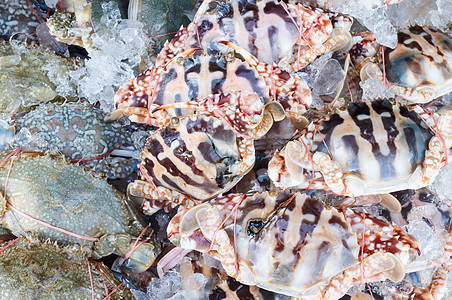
column 385, row 264
column 138, row 257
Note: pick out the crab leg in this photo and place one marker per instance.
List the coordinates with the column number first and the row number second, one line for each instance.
column 135, row 98
column 209, row 221
column 331, row 171
column 242, row 111
column 247, row 152
column 377, row 267
column 143, row 189
column 371, row 70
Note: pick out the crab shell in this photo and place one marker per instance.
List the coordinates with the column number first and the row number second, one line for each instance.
column 291, row 243
column 45, row 189
column 46, row 271
column 191, row 76
column 26, row 79
column 419, row 69
column 290, row 35
column 200, row 157
column 79, row 133
column 371, row 147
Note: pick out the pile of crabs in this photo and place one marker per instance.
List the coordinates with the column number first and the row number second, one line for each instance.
column 225, row 90
column 280, row 193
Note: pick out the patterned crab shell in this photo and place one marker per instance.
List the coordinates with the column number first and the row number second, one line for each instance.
column 191, row 76
column 46, row 271
column 419, row 68
column 290, row 35
column 369, row 148
column 78, row 132
column 27, row 73
column 49, row 199
column 190, row 162
column 293, row 244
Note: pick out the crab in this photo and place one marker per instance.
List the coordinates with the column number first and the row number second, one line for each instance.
column 418, row 69
column 194, row 160
column 27, row 73
column 275, row 241
column 47, row 198
column 372, row 147
column 16, row 17
column 290, row 35
column 79, row 133
column 46, row 271
column 236, row 87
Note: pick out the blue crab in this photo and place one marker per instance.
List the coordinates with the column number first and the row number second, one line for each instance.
column 291, row 243
column 370, row 147
column 49, row 199
column 79, row 133
column 290, row 35
column 46, row 271
column 25, row 76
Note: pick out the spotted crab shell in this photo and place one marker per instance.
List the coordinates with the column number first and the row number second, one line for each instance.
column 198, row 157
column 375, row 142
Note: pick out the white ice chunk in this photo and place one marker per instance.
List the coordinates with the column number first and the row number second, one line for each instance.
column 166, row 287
column 431, row 242
column 329, row 77
column 441, row 185
column 374, row 88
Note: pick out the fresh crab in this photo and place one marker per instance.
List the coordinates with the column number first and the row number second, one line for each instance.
column 45, row 271
column 236, row 88
column 290, row 35
column 369, row 148
column 79, row 133
column 194, row 160
column 48, row 199
column 27, row 73
column 418, row 69
column 293, row 244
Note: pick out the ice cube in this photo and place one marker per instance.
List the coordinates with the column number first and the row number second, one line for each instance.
column 374, row 88
column 164, row 288
column 440, row 186
column 328, row 78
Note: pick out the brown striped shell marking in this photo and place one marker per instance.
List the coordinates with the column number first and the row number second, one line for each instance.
column 290, row 35
column 196, row 77
column 369, row 148
column 193, row 161
column 419, row 69
column 291, row 243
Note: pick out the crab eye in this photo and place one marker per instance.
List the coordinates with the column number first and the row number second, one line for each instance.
column 180, row 60
column 230, row 55
column 175, row 121
column 254, row 227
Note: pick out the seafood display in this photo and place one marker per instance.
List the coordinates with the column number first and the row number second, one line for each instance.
column 269, row 150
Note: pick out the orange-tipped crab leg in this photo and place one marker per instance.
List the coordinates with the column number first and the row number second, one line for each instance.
column 146, row 190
